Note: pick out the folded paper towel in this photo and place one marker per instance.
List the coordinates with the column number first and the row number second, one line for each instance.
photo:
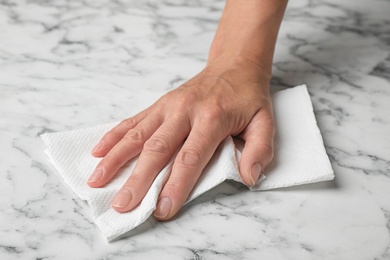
column 300, row 158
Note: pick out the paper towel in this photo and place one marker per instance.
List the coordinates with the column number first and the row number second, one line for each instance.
column 300, row 158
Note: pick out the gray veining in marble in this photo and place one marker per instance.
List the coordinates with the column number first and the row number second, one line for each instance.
column 72, row 64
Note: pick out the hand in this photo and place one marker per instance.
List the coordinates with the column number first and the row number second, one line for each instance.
column 229, row 97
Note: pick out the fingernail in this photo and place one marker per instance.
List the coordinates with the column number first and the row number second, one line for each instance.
column 255, row 173
column 163, row 208
column 122, row 199
column 98, row 147
column 96, row 175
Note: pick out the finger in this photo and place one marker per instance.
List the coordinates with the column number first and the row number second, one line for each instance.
column 188, row 166
column 112, row 137
column 259, row 146
column 156, row 153
column 126, row 149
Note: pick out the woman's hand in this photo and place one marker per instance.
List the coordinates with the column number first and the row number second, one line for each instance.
column 229, row 97
column 226, row 98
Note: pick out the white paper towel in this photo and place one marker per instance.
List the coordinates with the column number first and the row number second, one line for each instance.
column 300, row 158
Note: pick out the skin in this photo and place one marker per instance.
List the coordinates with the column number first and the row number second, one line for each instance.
column 230, row 96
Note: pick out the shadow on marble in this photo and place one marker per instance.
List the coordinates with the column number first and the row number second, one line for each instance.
column 148, row 225
column 325, row 185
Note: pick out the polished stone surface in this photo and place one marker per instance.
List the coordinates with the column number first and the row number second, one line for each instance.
column 74, row 64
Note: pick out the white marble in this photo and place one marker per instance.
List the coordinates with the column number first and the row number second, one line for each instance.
column 72, row 64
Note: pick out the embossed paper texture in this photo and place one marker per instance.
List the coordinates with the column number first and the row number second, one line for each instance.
column 300, row 158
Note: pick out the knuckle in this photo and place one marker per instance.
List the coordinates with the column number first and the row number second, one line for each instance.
column 156, row 146
column 184, row 99
column 179, row 98
column 129, row 122
column 213, row 114
column 189, row 97
column 189, row 158
column 166, row 98
column 134, row 135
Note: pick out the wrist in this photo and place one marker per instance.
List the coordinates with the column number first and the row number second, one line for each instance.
column 246, row 35
column 242, row 60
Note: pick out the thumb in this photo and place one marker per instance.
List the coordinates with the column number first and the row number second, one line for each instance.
column 258, row 151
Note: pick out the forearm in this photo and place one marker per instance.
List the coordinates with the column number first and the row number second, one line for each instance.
column 248, row 29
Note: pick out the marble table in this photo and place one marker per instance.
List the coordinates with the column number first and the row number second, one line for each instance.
column 73, row 64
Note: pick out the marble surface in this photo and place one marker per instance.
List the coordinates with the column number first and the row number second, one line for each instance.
column 72, row 64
